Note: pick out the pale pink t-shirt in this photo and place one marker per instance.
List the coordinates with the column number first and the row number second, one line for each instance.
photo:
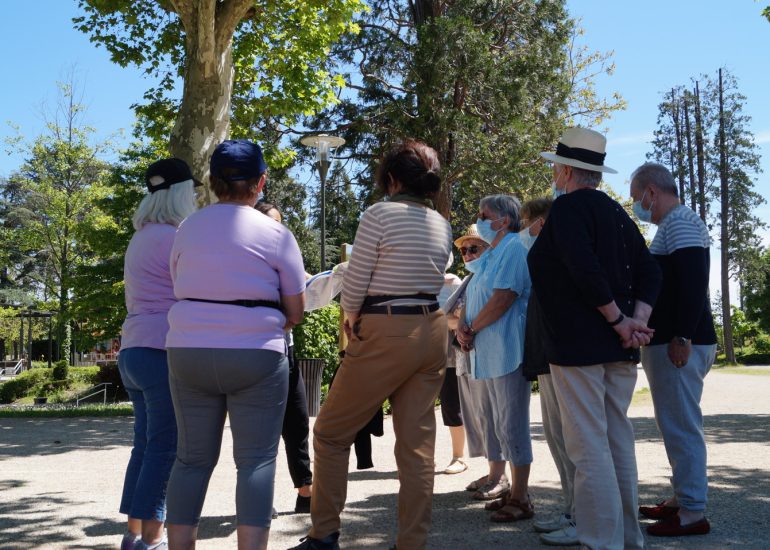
column 232, row 252
column 149, row 290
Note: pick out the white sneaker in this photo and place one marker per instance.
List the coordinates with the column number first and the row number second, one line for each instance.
column 548, row 526
column 457, row 466
column 563, row 537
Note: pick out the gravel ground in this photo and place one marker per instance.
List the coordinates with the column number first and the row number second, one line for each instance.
column 60, row 482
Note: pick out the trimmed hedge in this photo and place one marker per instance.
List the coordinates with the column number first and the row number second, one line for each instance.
column 41, row 382
column 21, row 385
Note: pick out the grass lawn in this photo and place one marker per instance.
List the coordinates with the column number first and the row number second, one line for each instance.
column 62, row 411
column 753, row 371
column 642, row 397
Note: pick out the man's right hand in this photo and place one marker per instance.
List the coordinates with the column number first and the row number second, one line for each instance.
column 634, row 333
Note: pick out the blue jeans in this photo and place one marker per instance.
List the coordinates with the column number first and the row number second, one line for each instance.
column 145, row 375
column 250, row 387
column 676, row 394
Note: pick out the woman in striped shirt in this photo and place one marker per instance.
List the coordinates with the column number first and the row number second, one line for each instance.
column 397, row 349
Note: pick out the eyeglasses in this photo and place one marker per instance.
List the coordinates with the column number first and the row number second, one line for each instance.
column 473, row 249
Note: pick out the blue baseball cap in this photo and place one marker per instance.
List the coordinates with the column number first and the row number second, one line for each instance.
column 242, row 156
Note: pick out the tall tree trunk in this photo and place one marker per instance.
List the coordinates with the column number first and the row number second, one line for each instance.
column 701, row 155
column 679, row 146
column 690, row 160
column 727, row 329
column 204, row 116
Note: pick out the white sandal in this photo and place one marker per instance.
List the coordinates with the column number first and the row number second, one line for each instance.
column 457, row 466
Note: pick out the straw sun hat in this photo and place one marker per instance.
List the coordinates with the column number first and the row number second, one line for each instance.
column 581, row 148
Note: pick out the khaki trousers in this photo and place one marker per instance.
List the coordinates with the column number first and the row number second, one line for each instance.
column 401, row 357
column 599, row 438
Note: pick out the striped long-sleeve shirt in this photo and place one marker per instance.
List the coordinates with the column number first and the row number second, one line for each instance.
column 681, row 247
column 400, row 248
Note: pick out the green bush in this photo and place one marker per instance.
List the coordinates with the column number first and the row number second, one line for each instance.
column 22, row 384
column 84, row 375
column 762, row 343
column 317, row 337
column 61, row 370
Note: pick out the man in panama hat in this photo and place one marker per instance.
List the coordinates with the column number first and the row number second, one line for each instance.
column 596, row 282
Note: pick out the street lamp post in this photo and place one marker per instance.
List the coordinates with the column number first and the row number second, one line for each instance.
column 323, row 144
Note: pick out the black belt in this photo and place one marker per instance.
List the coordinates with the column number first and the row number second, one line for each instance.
column 373, row 304
column 242, row 303
column 374, row 300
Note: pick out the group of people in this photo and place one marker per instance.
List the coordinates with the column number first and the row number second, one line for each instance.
column 561, row 290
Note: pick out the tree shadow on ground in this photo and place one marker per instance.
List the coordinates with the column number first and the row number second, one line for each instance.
column 719, row 428
column 25, row 523
column 48, row 436
column 738, row 505
column 372, row 522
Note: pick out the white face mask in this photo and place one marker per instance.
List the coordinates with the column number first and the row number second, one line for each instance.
column 526, row 239
column 555, row 191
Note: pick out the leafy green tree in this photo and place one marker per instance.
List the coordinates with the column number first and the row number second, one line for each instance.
column 755, row 290
column 98, row 285
column 58, row 187
column 737, row 164
column 254, row 58
column 486, row 84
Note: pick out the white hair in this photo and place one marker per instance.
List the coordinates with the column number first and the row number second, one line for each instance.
column 169, row 206
column 581, row 176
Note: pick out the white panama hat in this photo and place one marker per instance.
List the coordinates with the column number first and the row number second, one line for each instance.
column 581, row 148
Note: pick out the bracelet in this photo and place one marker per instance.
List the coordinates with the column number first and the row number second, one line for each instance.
column 470, row 327
column 617, row 321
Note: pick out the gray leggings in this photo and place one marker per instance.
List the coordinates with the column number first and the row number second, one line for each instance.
column 207, row 384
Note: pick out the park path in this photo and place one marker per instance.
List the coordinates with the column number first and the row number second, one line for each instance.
column 60, row 483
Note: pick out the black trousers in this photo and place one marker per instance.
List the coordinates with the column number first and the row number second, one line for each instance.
column 450, row 400
column 296, row 427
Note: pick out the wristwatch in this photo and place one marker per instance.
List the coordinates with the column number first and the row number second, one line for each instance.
column 470, row 327
column 681, row 340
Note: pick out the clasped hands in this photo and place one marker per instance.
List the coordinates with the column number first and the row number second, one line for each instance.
column 465, row 336
column 633, row 332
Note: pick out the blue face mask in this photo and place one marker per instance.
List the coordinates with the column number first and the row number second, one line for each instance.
column 644, row 214
column 526, row 239
column 485, row 230
column 473, row 265
column 556, row 192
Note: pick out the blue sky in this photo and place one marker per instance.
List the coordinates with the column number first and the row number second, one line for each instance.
column 657, row 44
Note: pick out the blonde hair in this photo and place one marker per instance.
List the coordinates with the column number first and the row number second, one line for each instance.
column 169, row 206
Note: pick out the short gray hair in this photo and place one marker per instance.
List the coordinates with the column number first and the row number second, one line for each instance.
column 169, row 206
column 656, row 174
column 581, row 176
column 503, row 205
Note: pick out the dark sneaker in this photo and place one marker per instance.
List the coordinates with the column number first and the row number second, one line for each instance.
column 129, row 541
column 672, row 527
column 329, row 542
column 302, row 506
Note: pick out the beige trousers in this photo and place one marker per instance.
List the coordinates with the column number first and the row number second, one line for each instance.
column 401, row 357
column 599, row 438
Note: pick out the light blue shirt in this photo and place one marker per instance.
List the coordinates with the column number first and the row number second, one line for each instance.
column 499, row 347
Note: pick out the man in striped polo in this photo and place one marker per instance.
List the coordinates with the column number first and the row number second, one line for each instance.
column 682, row 349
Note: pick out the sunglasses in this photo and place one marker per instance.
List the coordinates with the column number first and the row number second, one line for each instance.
column 469, row 249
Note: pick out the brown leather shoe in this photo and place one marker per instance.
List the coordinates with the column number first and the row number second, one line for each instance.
column 659, row 511
column 672, row 527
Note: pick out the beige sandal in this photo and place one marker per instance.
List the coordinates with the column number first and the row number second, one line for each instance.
column 477, row 484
